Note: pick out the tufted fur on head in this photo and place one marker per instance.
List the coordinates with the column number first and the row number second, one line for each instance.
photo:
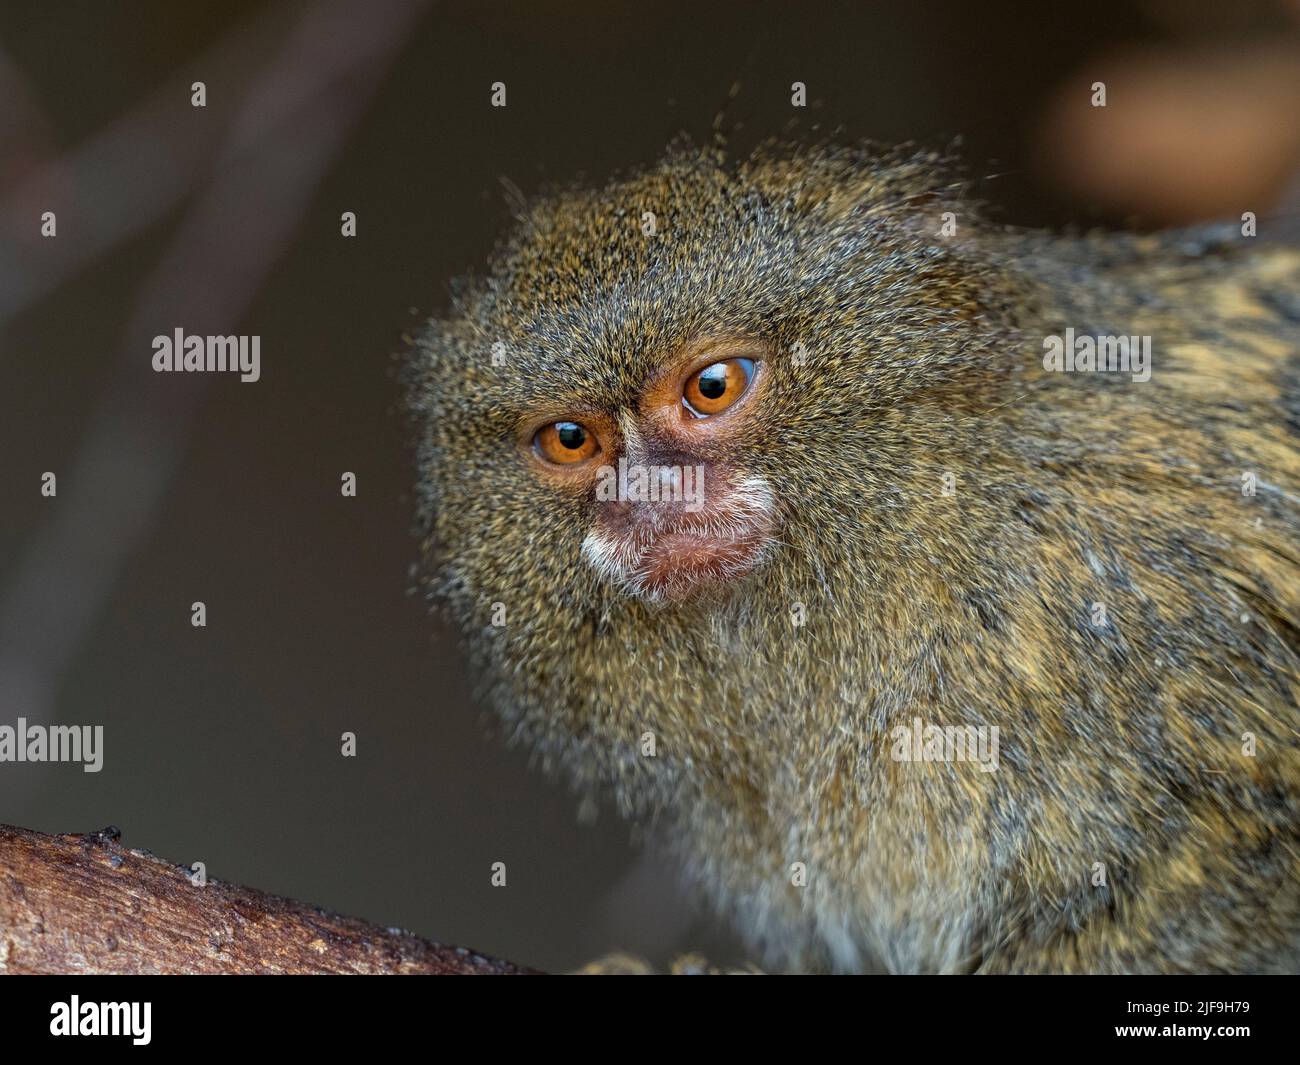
column 949, row 515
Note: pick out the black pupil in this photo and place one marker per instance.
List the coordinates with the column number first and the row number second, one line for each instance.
column 713, row 382
column 571, row 435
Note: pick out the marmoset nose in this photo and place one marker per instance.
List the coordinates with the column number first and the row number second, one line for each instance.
column 669, row 490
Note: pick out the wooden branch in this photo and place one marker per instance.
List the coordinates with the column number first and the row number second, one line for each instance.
column 86, row 904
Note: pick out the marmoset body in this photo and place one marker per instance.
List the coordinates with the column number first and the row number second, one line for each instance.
column 895, row 502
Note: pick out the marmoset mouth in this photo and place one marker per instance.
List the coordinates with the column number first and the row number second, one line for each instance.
column 681, row 562
column 658, row 554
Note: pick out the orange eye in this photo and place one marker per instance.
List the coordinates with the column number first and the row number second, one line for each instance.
column 565, row 443
column 716, row 387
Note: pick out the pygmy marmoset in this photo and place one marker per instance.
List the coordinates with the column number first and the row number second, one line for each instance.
column 929, row 501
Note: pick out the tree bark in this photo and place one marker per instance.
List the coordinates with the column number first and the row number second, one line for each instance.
column 86, row 904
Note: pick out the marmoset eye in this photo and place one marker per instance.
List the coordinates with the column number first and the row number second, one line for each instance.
column 716, row 387
column 565, row 443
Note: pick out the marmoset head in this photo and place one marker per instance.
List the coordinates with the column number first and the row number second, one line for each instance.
column 661, row 386
column 685, row 414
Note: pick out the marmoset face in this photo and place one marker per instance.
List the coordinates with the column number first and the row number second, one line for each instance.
column 674, row 514
column 667, row 410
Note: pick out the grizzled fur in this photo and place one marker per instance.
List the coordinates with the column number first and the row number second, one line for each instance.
column 1121, row 743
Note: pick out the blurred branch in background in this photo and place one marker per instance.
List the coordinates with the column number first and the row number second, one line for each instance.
column 1206, row 126
column 24, row 144
column 255, row 163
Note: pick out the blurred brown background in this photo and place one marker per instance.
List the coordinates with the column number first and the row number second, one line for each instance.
column 222, row 743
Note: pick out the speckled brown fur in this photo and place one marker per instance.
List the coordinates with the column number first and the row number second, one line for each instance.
column 1121, row 743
